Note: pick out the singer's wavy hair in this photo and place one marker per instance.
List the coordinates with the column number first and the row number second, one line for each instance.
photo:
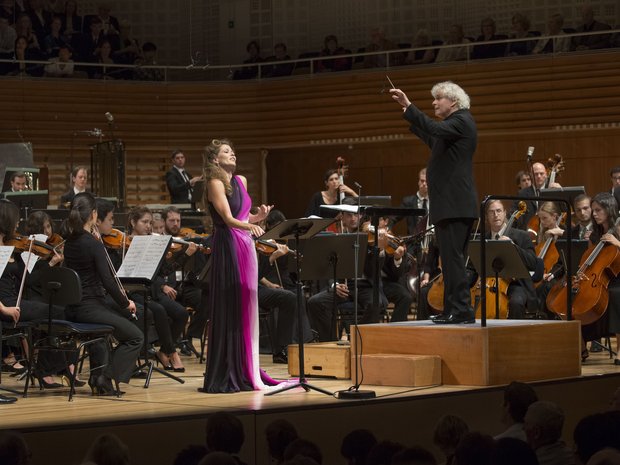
column 608, row 203
column 453, row 92
column 212, row 170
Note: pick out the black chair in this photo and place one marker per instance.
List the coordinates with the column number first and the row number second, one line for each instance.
column 62, row 286
column 22, row 331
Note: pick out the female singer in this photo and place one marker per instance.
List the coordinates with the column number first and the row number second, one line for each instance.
column 49, row 363
column 169, row 315
column 86, row 255
column 329, row 196
column 605, row 214
column 79, row 178
column 232, row 356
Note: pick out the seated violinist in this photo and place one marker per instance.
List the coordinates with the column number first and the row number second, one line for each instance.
column 520, row 292
column 169, row 316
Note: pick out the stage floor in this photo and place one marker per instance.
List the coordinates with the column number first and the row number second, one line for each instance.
column 47, row 418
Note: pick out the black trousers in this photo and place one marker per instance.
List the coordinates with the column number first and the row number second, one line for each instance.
column 400, row 296
column 169, row 317
column 452, row 236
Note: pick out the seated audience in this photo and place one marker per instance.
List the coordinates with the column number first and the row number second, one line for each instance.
column 279, row 69
column 474, row 449
column 553, row 45
column 23, row 27
column 250, row 72
column 453, row 53
column 13, row 449
column 62, row 65
column 449, row 431
column 304, row 448
column 71, row 21
column 224, row 433
column 383, row 452
column 511, row 451
column 356, row 446
column 332, row 49
column 7, row 38
column 279, row 434
column 149, row 55
column 487, row 34
column 595, row 433
column 517, row 398
column 190, row 455
column 589, row 24
column 521, row 30
column 108, row 449
column 413, row 456
column 55, row 39
column 379, row 43
column 425, row 54
column 543, row 425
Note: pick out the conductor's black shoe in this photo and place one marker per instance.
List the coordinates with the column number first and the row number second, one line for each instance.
column 439, row 315
column 455, row 319
column 280, row 357
column 7, row 400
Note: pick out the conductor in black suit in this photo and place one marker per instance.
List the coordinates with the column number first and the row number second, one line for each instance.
column 180, row 183
column 452, row 191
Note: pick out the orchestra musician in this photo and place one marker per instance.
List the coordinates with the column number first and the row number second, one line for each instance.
column 79, row 178
column 232, row 356
column 18, row 182
column 417, row 200
column 614, row 174
column 452, row 191
column 333, row 187
column 540, row 181
column 169, row 315
column 523, row 180
column 86, row 255
column 179, row 182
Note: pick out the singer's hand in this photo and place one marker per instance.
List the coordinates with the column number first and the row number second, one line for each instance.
column 255, row 230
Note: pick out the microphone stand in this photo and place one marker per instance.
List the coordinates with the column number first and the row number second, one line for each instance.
column 354, row 392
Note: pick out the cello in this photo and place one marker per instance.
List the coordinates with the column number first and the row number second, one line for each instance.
column 589, row 287
column 547, row 251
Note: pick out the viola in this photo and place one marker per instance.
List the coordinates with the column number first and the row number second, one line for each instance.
column 55, row 240
column 177, row 245
column 590, row 296
column 40, row 249
column 189, row 233
column 267, row 248
column 116, row 239
column 387, row 241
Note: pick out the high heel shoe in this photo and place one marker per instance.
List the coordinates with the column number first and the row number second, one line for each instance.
column 102, row 386
column 45, row 385
column 164, row 360
column 175, row 357
column 66, row 381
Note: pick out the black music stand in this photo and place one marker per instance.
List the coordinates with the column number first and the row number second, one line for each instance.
column 503, row 258
column 303, row 228
column 335, row 254
column 566, row 193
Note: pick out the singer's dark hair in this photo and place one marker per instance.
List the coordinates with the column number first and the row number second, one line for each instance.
column 82, row 208
column 9, row 217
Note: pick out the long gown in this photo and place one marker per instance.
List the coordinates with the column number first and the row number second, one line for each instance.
column 232, row 355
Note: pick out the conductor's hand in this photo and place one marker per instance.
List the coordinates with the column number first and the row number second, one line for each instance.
column 400, row 97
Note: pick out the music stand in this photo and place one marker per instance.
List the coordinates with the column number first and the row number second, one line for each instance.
column 303, row 228
column 333, row 254
column 504, row 259
column 566, row 193
column 578, row 248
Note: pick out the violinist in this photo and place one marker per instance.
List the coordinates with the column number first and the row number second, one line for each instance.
column 169, row 316
column 48, row 363
column 605, row 215
column 86, row 255
column 79, row 178
column 614, row 175
column 159, row 226
column 333, row 187
column 520, row 292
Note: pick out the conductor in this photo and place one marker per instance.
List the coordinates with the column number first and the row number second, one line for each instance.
column 452, row 191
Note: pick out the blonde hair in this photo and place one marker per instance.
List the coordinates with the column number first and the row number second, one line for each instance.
column 212, row 170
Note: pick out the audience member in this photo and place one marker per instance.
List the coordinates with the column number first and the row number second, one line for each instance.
column 23, row 54
column 356, row 446
column 218, row 458
column 332, row 49
column 104, row 57
column 488, row 33
column 553, row 45
column 279, row 434
column 449, row 431
column 190, row 455
column 453, row 53
column 109, row 24
column 383, row 452
column 543, row 425
column 379, row 43
column 7, row 38
column 13, row 449
column 23, row 27
column 54, row 40
column 517, row 398
column 596, row 432
column 413, row 456
column 108, row 449
column 224, row 433
column 474, row 449
column 54, row 6
column 521, row 30
column 149, row 55
column 87, row 45
column 250, row 72
column 614, row 403
column 607, row 456
column 40, row 19
column 279, row 69
column 304, row 448
column 589, row 24
column 71, row 21
column 511, row 451
column 425, row 54
column 129, row 51
column 62, row 65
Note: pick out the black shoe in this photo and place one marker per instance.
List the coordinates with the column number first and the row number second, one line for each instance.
column 7, row 400
column 280, row 357
column 439, row 315
column 455, row 319
column 595, row 346
column 616, row 361
column 139, row 374
column 102, row 386
column 45, row 385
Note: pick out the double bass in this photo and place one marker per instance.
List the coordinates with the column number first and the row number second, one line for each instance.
column 590, row 296
column 555, row 165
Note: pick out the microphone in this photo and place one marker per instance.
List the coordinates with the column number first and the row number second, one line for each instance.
column 109, row 117
column 96, row 132
column 530, row 153
column 356, row 184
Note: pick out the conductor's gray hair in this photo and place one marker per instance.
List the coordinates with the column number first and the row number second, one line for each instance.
column 453, row 92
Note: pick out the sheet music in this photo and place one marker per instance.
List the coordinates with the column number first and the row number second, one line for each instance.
column 5, row 254
column 31, row 263
column 143, row 257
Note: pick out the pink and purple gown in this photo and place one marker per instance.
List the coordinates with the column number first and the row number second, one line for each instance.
column 232, row 355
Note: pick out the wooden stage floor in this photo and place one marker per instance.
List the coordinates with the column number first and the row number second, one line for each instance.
column 177, row 412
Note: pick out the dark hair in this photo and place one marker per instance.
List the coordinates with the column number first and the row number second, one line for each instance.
column 169, row 209
column 9, row 217
column 449, row 431
column 76, row 170
column 17, row 174
column 328, row 174
column 580, row 198
column 36, row 222
column 274, row 217
column 417, row 454
column 475, row 449
column 191, row 455
column 135, row 214
column 596, row 432
column 518, row 397
column 357, row 444
column 328, row 38
column 104, row 207
column 280, row 45
column 175, row 152
column 513, row 451
column 520, row 174
column 108, row 449
column 224, row 433
column 304, row 448
column 13, row 448
column 149, row 47
column 614, row 170
column 250, row 44
column 82, row 208
column 608, row 202
column 279, row 434
column 382, row 452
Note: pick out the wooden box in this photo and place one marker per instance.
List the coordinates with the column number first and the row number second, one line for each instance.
column 402, row 370
column 321, row 359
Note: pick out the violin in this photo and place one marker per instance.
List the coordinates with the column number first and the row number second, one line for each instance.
column 391, row 242
column 55, row 240
column 178, row 244
column 116, row 239
column 598, row 265
column 267, row 248
column 40, row 249
column 189, row 233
